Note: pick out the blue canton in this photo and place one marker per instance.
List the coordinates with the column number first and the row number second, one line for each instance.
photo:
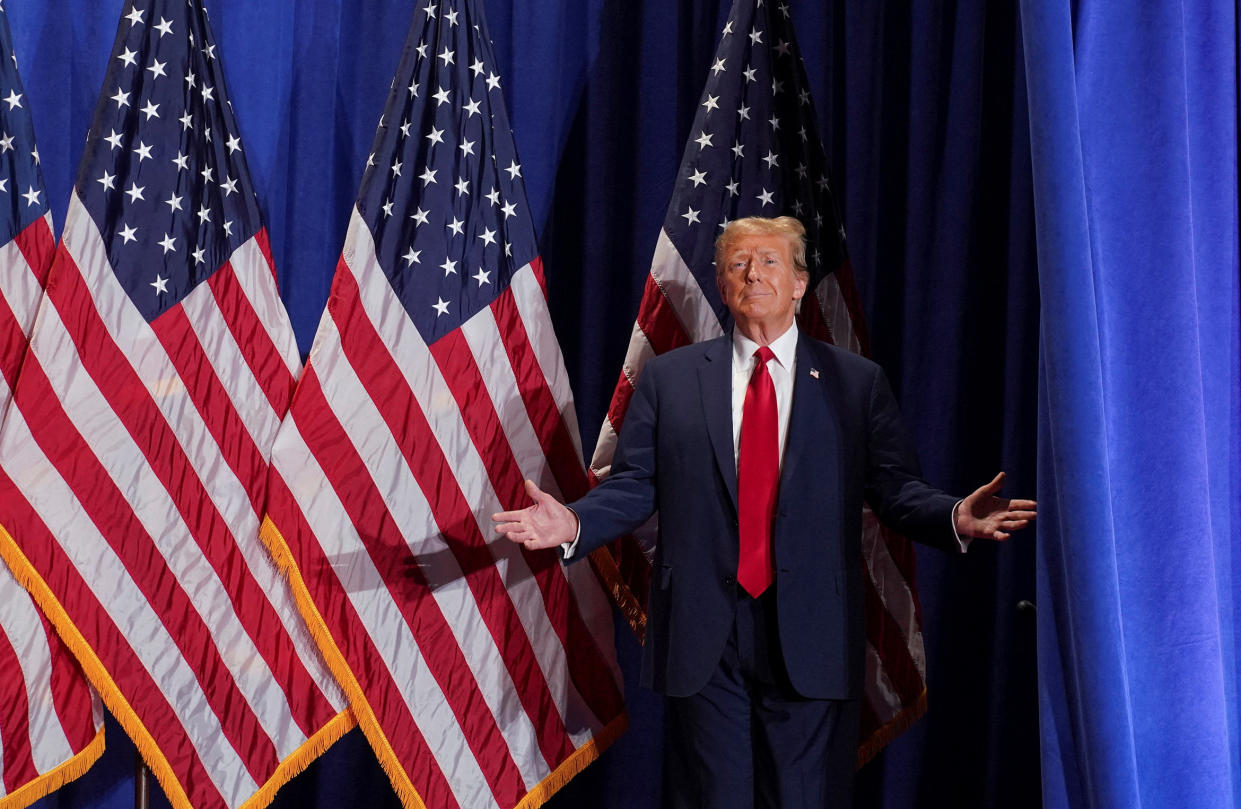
column 164, row 177
column 754, row 150
column 442, row 192
column 22, row 195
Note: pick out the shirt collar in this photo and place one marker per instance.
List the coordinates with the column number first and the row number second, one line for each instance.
column 784, row 347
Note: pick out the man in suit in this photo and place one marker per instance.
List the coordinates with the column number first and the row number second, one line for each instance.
column 758, row 450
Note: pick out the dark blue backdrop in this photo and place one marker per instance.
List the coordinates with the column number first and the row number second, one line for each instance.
column 924, row 107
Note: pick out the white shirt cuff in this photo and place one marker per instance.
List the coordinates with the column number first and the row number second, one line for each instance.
column 963, row 542
column 570, row 548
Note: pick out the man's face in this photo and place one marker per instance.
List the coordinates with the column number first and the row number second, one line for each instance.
column 758, row 284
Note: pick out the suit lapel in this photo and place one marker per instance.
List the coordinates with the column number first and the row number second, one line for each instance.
column 715, row 391
column 814, row 426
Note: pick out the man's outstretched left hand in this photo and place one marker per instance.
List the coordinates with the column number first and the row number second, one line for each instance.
column 985, row 516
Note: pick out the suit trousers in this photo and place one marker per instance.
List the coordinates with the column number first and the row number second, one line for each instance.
column 748, row 740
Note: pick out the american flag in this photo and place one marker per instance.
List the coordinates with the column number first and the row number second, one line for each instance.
column 51, row 721
column 134, row 457
column 483, row 674
column 754, row 150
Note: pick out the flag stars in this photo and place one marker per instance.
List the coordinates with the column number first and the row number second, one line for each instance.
column 151, row 110
column 228, row 227
column 447, row 56
column 208, row 174
column 160, row 284
column 488, row 236
column 718, row 67
column 482, row 276
column 420, row 216
column 775, row 123
column 405, row 129
column 514, row 170
column 455, row 226
column 157, row 69
column 396, row 168
column 128, row 234
column 168, row 243
column 493, row 196
column 6, row 143
column 387, row 208
column 472, row 107
column 765, row 198
column 135, row 192
column 4, row 184
column 690, row 216
column 744, row 112
column 229, row 186
column 477, row 67
column 204, row 214
column 134, row 16
column 509, row 209
column 190, row 78
column 114, row 139
column 209, row 51
column 233, row 143
column 451, row 17
column 181, row 161
column 128, row 57
column 441, row 96
column 200, row 256
column 413, row 257
column 435, row 136
column 207, row 93
column 121, row 98
column 739, row 149
column 186, row 120
column 777, row 87
column 703, row 140
column 698, row 178
column 440, row 307
column 427, row 176
column 449, row 267
column 173, row 202
column 467, row 147
column 463, row 186
column 756, row 36
column 493, row 81
column 749, row 74
column 804, row 97
column 783, row 48
column 108, row 181
column 712, row 103
column 31, row 196
column 429, row 9
column 164, row 27
column 733, row 188
column 772, row 159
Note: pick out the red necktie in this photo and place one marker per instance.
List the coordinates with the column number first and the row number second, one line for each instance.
column 758, row 474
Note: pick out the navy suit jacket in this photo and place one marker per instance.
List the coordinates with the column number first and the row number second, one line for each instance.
column 845, row 444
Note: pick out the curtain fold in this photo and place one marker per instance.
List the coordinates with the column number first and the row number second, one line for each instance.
column 1134, row 143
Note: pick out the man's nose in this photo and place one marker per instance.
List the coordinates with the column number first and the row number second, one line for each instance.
column 751, row 271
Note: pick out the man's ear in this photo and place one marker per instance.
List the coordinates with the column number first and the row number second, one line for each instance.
column 799, row 288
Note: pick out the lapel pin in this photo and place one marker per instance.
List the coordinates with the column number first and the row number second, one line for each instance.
column 814, row 372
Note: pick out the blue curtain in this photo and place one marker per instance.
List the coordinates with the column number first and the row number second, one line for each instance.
column 1134, row 138
column 923, row 105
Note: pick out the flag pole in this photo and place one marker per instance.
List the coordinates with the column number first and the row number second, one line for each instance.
column 142, row 783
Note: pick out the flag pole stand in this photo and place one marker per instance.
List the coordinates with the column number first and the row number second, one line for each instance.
column 142, row 783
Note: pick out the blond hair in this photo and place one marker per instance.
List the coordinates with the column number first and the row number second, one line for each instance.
column 785, row 226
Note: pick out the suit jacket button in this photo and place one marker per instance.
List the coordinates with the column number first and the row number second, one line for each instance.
column 730, row 580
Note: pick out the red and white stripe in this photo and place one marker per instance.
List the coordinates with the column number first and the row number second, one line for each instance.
column 674, row 312
column 482, row 667
column 49, row 714
column 134, row 465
